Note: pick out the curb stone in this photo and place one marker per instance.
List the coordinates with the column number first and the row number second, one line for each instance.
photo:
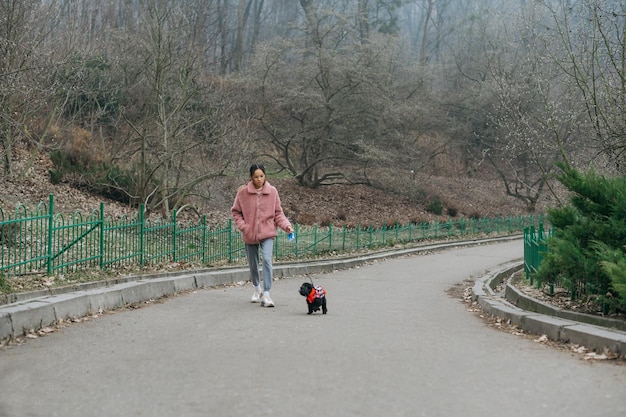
column 517, row 297
column 592, row 336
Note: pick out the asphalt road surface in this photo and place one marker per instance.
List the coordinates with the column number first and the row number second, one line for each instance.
column 393, row 343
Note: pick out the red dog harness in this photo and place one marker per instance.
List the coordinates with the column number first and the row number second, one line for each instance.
column 316, row 292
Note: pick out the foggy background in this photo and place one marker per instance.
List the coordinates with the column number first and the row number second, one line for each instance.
column 148, row 101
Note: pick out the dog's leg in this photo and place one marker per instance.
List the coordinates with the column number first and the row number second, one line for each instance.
column 310, row 306
column 324, row 309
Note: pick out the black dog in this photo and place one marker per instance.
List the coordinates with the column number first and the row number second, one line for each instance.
column 315, row 297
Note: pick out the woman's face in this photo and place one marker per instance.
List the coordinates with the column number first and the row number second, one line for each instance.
column 258, row 178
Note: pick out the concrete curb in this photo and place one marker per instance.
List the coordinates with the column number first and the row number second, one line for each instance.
column 37, row 310
column 521, row 300
column 594, row 333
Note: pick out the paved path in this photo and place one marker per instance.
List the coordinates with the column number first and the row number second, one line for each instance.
column 393, row 344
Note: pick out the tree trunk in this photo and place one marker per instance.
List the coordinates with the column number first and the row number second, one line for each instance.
column 423, row 59
column 364, row 29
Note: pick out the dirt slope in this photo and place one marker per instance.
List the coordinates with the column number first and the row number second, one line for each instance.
column 338, row 204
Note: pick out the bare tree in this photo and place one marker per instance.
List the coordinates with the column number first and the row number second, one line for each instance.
column 27, row 66
column 533, row 114
column 533, row 127
column 334, row 110
column 425, row 30
column 176, row 122
column 364, row 25
column 591, row 54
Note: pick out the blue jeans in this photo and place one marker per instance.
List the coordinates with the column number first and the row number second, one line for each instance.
column 252, row 253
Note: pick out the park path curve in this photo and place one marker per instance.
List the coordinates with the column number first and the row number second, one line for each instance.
column 392, row 344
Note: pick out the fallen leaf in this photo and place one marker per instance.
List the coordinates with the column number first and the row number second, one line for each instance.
column 596, row 357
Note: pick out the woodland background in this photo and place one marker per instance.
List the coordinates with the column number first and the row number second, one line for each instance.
column 362, row 110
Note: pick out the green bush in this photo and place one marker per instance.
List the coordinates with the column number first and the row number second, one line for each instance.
column 5, row 287
column 435, row 206
column 56, row 176
column 102, row 178
column 613, row 263
column 586, row 250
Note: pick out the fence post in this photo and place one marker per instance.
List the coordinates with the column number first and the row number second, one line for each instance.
column 50, row 233
column 526, row 253
column 204, row 233
column 230, row 240
column 532, row 237
column 175, row 248
column 142, row 227
column 330, row 237
column 101, row 236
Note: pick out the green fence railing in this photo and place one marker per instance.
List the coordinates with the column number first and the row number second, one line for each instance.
column 40, row 241
column 535, row 247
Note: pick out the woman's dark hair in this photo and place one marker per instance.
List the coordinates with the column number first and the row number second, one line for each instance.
column 255, row 167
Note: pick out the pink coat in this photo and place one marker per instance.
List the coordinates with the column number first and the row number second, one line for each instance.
column 258, row 215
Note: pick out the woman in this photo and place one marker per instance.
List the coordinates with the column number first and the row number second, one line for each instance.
column 257, row 213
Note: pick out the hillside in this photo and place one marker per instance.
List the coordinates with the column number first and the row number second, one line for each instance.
column 337, row 204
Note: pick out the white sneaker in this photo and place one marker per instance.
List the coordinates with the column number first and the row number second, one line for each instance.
column 266, row 301
column 256, row 297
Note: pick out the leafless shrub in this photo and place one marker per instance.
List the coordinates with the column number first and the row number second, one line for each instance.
column 9, row 233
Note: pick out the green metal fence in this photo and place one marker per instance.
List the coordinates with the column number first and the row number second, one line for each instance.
column 535, row 247
column 40, row 241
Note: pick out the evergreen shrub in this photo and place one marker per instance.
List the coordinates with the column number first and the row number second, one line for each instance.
column 586, row 253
